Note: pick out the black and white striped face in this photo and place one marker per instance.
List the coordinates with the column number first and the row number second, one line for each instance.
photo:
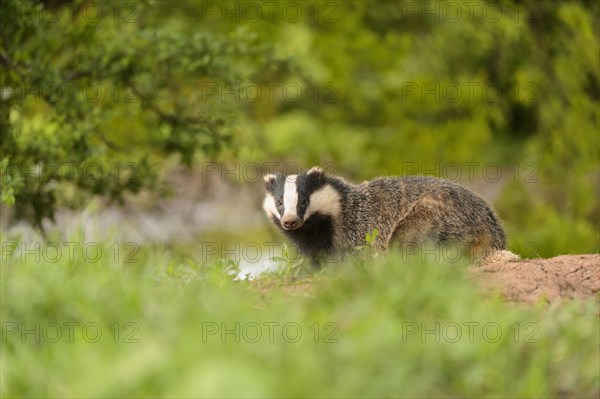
column 291, row 200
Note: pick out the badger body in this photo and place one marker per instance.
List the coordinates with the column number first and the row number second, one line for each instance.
column 324, row 215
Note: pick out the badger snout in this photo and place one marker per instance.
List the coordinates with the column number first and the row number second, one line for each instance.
column 290, row 222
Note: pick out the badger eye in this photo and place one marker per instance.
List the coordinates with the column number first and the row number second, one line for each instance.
column 279, row 202
column 303, row 201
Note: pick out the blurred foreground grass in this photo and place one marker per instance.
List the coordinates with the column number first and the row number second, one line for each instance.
column 167, row 326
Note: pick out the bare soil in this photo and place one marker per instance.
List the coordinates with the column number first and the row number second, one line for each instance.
column 552, row 280
column 527, row 281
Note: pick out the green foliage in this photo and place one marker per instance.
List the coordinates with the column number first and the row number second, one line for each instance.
column 288, row 265
column 537, row 229
column 371, row 237
column 382, row 85
column 9, row 185
column 123, row 97
column 157, row 319
column 99, row 98
column 369, row 247
column 519, row 86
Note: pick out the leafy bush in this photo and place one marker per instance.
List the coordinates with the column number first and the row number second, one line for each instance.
column 391, row 326
column 383, row 86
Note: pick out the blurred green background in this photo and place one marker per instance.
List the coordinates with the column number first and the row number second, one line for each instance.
column 137, row 107
column 502, row 96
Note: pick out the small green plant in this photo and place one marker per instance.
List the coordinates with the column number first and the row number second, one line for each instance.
column 369, row 247
column 287, row 265
column 371, row 237
column 229, row 267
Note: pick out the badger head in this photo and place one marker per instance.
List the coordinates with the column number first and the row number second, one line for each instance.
column 292, row 200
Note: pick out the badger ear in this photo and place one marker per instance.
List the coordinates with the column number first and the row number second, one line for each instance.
column 316, row 171
column 269, row 181
column 316, row 175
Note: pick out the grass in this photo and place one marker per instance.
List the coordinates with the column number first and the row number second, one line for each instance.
column 384, row 327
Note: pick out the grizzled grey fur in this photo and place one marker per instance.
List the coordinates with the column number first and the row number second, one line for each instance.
column 332, row 216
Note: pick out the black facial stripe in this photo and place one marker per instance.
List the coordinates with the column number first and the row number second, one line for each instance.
column 277, row 187
column 306, row 184
column 276, row 190
column 302, row 205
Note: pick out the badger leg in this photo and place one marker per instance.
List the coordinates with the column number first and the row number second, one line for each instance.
column 315, row 262
column 479, row 249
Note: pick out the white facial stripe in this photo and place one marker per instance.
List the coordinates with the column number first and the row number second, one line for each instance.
column 290, row 195
column 325, row 201
column 269, row 206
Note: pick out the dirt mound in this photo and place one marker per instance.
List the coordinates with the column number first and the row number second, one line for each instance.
column 553, row 280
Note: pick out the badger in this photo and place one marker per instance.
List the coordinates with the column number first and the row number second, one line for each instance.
column 324, row 215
